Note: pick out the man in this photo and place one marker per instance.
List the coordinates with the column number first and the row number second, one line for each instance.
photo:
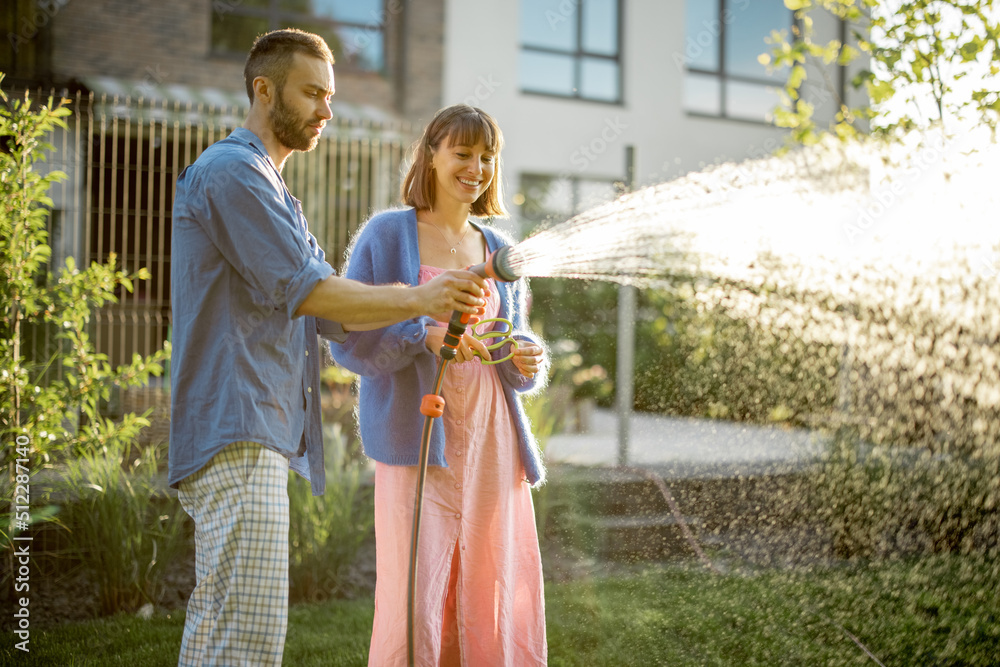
column 248, row 283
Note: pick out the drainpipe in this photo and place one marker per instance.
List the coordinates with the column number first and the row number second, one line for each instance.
column 402, row 58
column 625, row 375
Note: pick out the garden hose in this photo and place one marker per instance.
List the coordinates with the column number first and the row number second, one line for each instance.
column 432, row 405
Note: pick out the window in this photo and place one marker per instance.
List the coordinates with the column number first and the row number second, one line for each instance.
column 723, row 39
column 571, row 49
column 26, row 40
column 554, row 199
column 354, row 29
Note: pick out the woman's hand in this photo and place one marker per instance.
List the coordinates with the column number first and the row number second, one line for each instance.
column 528, row 359
column 467, row 347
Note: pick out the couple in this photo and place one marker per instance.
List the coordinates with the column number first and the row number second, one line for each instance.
column 251, row 293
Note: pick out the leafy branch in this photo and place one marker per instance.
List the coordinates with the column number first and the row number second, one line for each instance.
column 917, row 50
column 53, row 398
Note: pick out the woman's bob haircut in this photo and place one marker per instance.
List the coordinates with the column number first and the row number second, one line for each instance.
column 460, row 125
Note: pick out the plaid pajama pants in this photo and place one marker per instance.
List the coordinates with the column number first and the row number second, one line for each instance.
column 238, row 611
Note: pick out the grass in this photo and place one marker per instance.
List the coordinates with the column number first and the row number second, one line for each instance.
column 934, row 611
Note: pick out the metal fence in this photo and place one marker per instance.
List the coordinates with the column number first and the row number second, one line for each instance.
column 122, row 157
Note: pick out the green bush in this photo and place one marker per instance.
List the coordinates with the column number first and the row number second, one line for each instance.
column 908, row 392
column 120, row 523
column 693, row 357
column 891, row 501
column 52, row 399
column 327, row 532
column 580, row 312
column 339, row 405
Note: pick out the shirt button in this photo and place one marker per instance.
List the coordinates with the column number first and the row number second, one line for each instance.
column 309, row 389
column 307, row 353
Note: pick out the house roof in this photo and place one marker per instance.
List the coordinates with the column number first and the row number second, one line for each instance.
column 147, row 99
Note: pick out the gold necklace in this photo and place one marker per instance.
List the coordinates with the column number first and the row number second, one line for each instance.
column 446, row 241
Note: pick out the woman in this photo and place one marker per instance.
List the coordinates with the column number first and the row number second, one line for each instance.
column 479, row 595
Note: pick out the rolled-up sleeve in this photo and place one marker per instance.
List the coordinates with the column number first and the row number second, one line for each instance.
column 254, row 229
column 304, row 282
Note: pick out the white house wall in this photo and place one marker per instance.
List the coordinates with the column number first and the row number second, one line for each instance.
column 549, row 135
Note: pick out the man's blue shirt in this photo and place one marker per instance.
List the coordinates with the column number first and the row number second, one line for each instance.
column 243, row 367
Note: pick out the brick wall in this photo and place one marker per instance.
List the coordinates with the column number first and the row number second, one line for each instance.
column 424, row 61
column 169, row 42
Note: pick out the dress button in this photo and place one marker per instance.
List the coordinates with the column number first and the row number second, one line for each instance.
column 458, row 486
column 458, row 452
column 460, row 390
column 458, row 421
column 457, row 515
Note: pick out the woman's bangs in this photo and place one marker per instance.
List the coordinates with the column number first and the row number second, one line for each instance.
column 470, row 129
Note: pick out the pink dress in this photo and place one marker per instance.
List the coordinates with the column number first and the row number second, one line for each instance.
column 479, row 582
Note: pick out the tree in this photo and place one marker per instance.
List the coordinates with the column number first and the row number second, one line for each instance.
column 927, row 49
column 51, row 404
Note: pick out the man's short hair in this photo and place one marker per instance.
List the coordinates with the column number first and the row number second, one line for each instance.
column 271, row 55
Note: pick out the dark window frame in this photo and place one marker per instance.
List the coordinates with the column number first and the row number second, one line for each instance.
column 578, row 56
column 724, row 77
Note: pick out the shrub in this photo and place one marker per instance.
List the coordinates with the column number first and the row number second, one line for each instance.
column 339, row 406
column 52, row 398
column 692, row 356
column 121, row 524
column 891, row 501
column 327, row 532
column 900, row 367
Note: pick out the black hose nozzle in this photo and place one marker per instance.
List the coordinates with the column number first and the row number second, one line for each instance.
column 497, row 266
column 457, row 325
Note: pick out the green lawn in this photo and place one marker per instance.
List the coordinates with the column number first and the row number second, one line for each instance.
column 936, row 611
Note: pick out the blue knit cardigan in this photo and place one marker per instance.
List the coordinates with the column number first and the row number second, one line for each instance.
column 395, row 367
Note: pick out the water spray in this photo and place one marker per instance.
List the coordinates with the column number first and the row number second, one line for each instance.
column 735, row 233
column 498, row 267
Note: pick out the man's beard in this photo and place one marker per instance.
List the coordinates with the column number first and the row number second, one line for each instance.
column 289, row 128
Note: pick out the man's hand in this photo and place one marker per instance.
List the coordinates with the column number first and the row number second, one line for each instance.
column 360, row 307
column 528, row 359
column 450, row 291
